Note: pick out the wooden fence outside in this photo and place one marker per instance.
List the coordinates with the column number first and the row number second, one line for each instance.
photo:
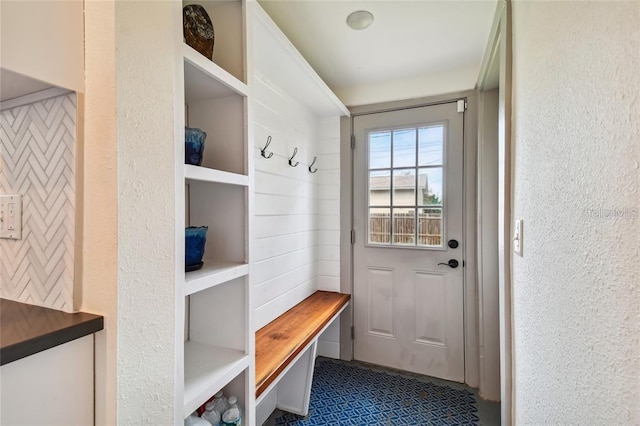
column 404, row 229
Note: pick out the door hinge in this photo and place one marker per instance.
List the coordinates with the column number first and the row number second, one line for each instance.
column 462, row 105
column 352, row 333
column 353, row 236
column 353, row 141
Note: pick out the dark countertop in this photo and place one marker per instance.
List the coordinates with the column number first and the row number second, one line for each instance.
column 27, row 329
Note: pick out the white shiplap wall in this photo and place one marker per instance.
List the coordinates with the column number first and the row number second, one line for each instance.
column 296, row 229
column 284, row 228
column 328, row 224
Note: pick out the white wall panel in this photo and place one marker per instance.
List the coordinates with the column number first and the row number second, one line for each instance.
column 328, row 222
column 331, row 177
column 269, row 311
column 281, row 284
column 327, row 283
column 275, row 266
column 330, row 191
column 330, row 268
column 268, row 247
column 296, row 229
column 272, row 226
column 328, row 207
column 281, row 205
column 328, row 225
column 329, row 161
column 329, row 252
column 285, row 226
column 327, row 237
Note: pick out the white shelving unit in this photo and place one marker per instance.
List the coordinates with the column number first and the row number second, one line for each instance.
column 200, row 72
column 212, row 274
column 218, row 350
column 211, row 368
column 219, row 343
column 214, row 176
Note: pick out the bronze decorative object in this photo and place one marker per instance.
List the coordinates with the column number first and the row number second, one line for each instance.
column 198, row 29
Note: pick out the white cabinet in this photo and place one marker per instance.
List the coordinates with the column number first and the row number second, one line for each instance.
column 52, row 387
column 219, row 342
column 44, row 40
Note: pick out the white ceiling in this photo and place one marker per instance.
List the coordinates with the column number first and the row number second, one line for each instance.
column 407, row 40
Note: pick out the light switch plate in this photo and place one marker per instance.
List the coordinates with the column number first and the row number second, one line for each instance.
column 11, row 217
column 517, row 236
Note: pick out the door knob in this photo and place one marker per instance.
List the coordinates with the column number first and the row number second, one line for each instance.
column 451, row 264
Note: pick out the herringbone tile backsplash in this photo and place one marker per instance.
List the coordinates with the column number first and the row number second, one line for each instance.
column 38, row 160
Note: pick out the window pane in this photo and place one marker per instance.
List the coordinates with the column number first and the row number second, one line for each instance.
column 430, row 227
column 379, row 150
column 404, row 148
column 380, row 188
column 430, row 186
column 430, row 145
column 404, row 226
column 379, row 226
column 404, row 187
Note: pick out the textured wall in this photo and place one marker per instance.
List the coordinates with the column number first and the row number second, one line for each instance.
column 38, row 154
column 576, row 294
column 146, row 70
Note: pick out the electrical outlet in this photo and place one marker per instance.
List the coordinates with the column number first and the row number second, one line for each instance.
column 517, row 237
column 11, row 217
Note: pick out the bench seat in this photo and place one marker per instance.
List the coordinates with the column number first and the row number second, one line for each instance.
column 279, row 342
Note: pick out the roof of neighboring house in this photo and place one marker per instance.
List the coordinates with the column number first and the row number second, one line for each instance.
column 381, row 183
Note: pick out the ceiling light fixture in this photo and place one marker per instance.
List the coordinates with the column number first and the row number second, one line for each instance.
column 360, row 20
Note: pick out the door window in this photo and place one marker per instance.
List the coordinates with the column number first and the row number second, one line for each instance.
column 405, row 186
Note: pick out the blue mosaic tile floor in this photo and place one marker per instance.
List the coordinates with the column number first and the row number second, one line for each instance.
column 347, row 394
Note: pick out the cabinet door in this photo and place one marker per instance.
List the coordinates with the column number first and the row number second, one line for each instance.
column 53, row 387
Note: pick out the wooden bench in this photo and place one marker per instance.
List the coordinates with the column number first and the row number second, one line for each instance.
column 286, row 350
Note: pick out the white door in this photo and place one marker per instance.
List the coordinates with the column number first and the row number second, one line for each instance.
column 408, row 291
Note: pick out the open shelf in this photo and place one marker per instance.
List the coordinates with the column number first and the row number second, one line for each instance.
column 205, row 80
column 205, row 174
column 213, row 274
column 207, row 369
column 217, row 311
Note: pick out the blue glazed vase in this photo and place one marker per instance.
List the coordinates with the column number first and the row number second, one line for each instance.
column 195, row 239
column 194, row 145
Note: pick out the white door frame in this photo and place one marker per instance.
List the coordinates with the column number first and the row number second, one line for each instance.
column 499, row 48
column 469, row 221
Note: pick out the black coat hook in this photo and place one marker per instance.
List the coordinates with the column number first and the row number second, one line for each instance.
column 311, row 165
column 264, row 152
column 295, row 151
